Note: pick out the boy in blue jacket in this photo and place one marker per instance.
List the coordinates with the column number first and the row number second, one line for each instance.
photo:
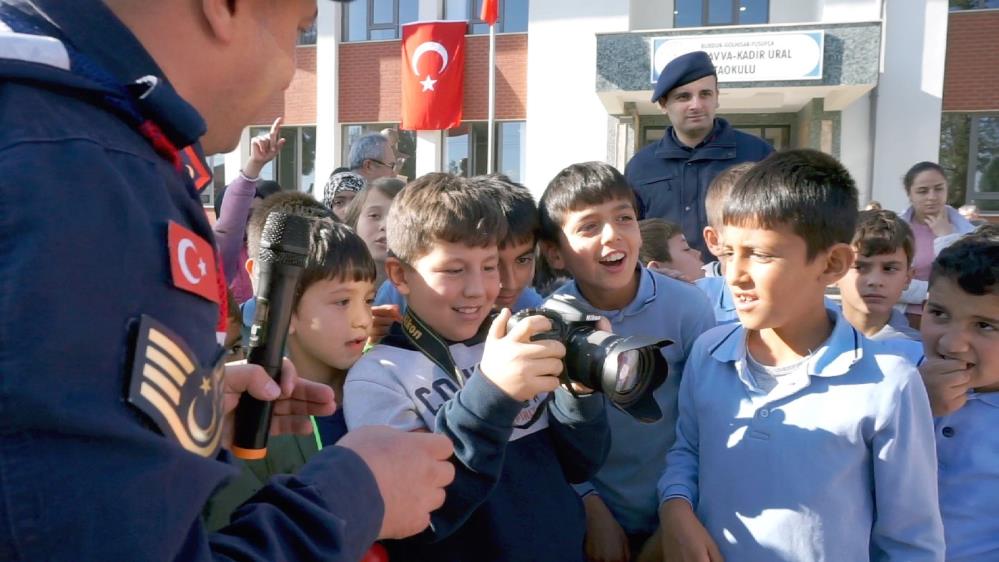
column 519, row 438
column 590, row 228
column 798, row 438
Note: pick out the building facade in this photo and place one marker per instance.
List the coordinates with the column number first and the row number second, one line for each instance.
column 880, row 84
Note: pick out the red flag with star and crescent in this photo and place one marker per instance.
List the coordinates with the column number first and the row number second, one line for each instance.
column 433, row 74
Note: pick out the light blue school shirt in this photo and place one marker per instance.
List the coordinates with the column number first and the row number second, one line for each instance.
column 720, row 297
column 388, row 294
column 662, row 308
column 837, row 468
column 897, row 328
column 968, row 461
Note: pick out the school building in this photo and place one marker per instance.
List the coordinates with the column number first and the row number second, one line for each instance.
column 881, row 84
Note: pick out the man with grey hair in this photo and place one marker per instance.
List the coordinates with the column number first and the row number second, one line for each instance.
column 372, row 157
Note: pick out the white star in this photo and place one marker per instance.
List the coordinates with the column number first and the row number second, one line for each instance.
column 201, row 266
column 428, row 84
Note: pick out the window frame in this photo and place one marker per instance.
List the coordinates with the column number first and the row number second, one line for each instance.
column 971, row 193
column 480, row 134
column 473, row 17
column 705, row 12
column 275, row 164
column 370, row 25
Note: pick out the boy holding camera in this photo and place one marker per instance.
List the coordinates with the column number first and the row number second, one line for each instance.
column 516, row 451
column 798, row 438
column 589, row 226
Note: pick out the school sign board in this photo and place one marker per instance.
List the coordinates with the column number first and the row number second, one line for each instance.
column 748, row 57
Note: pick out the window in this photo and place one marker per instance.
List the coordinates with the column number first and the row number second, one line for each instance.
column 406, row 148
column 969, row 153
column 512, row 15
column 216, row 165
column 778, row 137
column 702, row 13
column 308, row 37
column 468, row 145
column 960, row 5
column 295, row 166
column 367, row 20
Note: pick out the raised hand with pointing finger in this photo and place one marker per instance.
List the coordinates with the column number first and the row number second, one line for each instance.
column 263, row 149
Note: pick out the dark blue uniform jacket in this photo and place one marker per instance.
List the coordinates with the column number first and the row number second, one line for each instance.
column 671, row 179
column 88, row 469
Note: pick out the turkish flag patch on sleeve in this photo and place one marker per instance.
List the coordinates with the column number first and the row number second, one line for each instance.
column 192, row 263
column 433, row 75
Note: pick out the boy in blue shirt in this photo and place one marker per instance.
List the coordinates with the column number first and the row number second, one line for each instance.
column 883, row 247
column 589, row 227
column 517, row 449
column 961, row 338
column 798, row 439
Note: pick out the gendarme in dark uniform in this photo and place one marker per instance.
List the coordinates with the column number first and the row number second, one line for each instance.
column 110, row 386
column 671, row 178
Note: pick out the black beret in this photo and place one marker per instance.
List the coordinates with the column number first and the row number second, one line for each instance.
column 684, row 69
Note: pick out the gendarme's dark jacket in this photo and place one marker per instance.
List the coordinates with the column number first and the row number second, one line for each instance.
column 89, row 470
column 671, row 179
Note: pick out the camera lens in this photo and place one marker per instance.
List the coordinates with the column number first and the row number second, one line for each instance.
column 628, row 371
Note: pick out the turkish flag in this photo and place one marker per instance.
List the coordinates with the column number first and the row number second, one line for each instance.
column 192, row 263
column 433, row 74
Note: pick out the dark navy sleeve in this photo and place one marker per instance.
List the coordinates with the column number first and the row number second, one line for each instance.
column 479, row 421
column 304, row 516
column 580, row 433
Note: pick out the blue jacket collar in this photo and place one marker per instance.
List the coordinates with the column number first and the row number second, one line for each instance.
column 91, row 29
column 835, row 357
column 990, row 398
column 719, row 145
column 644, row 296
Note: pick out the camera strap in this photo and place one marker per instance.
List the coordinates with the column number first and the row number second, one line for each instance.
column 437, row 350
column 427, row 342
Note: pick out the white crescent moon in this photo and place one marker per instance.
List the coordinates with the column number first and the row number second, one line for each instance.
column 182, row 249
column 425, row 47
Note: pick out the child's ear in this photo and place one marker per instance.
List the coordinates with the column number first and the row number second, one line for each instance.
column 711, row 240
column 653, row 264
column 250, row 263
column 395, row 272
column 839, row 259
column 551, row 252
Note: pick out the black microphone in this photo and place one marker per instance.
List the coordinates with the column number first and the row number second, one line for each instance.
column 284, row 246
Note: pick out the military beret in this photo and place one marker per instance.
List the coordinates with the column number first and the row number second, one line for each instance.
column 684, row 69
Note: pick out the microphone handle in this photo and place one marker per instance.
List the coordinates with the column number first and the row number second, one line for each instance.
column 267, row 338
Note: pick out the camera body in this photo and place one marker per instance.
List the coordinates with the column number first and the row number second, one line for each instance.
column 627, row 369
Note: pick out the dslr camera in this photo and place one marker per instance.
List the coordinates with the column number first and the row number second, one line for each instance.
column 627, row 369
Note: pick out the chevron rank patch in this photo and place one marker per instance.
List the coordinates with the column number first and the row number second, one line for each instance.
column 183, row 398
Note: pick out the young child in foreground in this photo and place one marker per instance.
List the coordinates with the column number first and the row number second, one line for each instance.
column 960, row 332
column 516, row 449
column 798, row 439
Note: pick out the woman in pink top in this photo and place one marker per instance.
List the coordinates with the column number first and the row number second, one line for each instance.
column 933, row 222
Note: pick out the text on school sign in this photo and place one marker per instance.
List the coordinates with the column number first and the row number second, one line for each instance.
column 748, row 57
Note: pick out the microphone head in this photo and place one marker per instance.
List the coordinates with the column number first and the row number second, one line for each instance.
column 285, row 239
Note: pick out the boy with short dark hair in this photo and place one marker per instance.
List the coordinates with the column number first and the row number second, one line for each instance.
column 961, row 339
column 516, row 449
column 713, row 283
column 590, row 228
column 798, row 438
column 883, row 247
column 517, row 249
column 331, row 316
